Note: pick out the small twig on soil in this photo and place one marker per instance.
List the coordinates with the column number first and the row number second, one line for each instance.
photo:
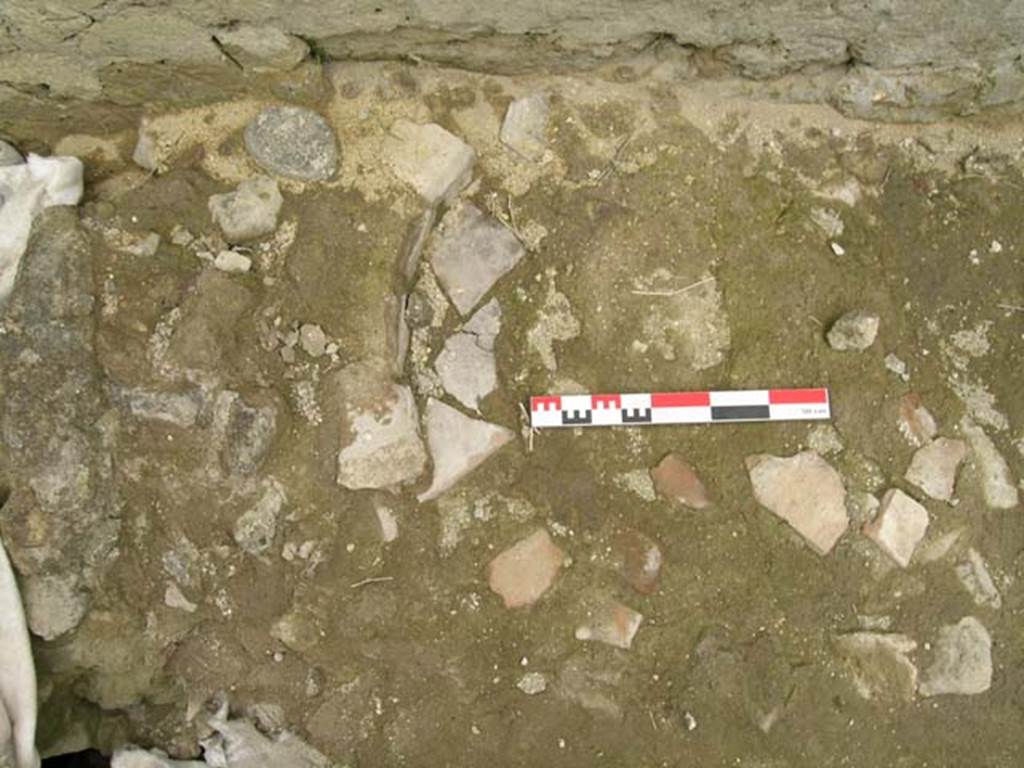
column 374, row 580
column 816, row 321
column 1010, row 307
column 675, row 292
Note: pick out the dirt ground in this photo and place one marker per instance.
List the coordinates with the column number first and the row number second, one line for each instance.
column 398, row 653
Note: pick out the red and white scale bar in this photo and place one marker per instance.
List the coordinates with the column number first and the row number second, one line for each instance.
column 679, row 408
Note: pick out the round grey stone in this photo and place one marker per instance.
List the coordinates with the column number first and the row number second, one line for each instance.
column 9, row 155
column 294, row 142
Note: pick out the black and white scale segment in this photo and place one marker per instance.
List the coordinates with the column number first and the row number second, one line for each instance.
column 679, row 408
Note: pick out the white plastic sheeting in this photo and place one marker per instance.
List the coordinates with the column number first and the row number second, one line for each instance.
column 25, row 190
column 17, row 676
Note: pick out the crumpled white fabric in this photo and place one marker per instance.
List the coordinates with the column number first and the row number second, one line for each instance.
column 17, row 676
column 25, row 190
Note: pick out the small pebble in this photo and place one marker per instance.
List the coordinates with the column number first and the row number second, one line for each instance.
column 232, row 262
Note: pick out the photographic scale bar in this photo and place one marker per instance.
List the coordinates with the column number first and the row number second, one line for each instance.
column 614, row 410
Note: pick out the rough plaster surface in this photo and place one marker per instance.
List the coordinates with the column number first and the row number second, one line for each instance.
column 918, row 60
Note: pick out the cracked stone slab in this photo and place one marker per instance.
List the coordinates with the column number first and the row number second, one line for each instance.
column 898, row 527
column 470, row 252
column 524, row 129
column 806, row 492
column 458, row 445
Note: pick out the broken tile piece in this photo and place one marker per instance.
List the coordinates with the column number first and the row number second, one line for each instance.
column 638, row 559
column 963, row 660
column 997, row 484
column 458, row 445
column 526, row 570
column 806, row 492
column 467, row 370
column 612, row 623
column 934, row 466
column 525, row 127
column 881, row 669
column 916, row 422
column 898, row 527
column 470, row 252
column 675, row 479
column 434, row 162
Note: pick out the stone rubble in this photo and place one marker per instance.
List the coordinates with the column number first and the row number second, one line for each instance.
column 469, row 253
column 435, row 163
column 934, row 467
column 232, row 262
column 294, row 142
column 525, row 571
column 255, row 530
column 524, row 129
column 806, row 492
column 854, row 331
column 916, row 423
column 962, row 660
column 881, row 668
column 382, row 447
column 533, row 683
column 675, row 479
column 458, row 445
column 824, row 440
column 248, row 213
column 974, row 575
column 9, row 155
column 611, row 623
column 898, row 527
column 312, row 339
column 988, row 464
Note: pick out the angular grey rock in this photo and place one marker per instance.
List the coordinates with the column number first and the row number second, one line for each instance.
column 54, row 604
column 313, row 339
column 431, row 160
column 249, row 212
column 976, row 579
column 470, row 252
column 262, row 48
column 898, row 527
column 148, row 152
column 881, row 669
column 248, row 434
column 963, row 660
column 61, row 522
column 458, row 445
column 232, row 262
column 293, row 142
column 853, row 331
column 532, row 683
column 467, row 370
column 997, row 484
column 238, row 744
column 806, row 492
column 381, row 446
column 934, row 466
column 254, row 531
column 9, row 155
column 525, row 127
column 178, row 408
